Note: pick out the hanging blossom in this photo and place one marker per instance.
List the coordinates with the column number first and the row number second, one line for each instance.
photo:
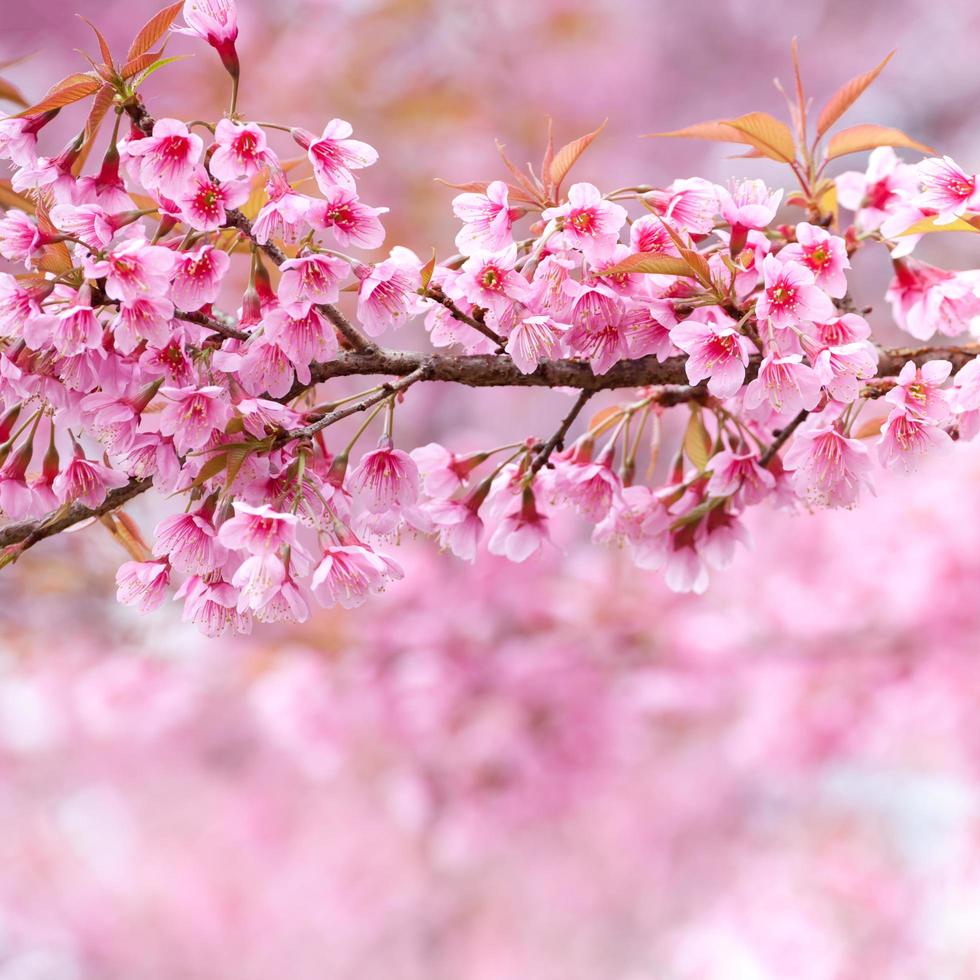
column 198, row 305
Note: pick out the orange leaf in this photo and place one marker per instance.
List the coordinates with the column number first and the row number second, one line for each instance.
column 153, row 30
column 68, row 90
column 846, row 96
column 427, row 270
column 9, row 198
column 647, row 262
column 103, row 44
column 565, row 158
column 135, row 65
column 868, row 136
column 603, row 419
column 698, row 265
column 714, row 129
column 767, row 134
column 99, row 108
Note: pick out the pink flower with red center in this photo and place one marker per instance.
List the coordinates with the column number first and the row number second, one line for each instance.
column 134, row 270
column 588, row 222
column 749, row 204
column 925, row 299
column 193, row 415
column 214, row 21
column 18, row 141
column 86, row 481
column 168, row 159
column 348, row 574
column 648, row 330
column 213, row 607
column 690, row 204
column 534, row 339
column 886, row 185
column 919, row 390
column 598, row 329
column 487, row 219
column 149, row 318
column 388, row 293
column 784, row 383
column 142, row 584
column 739, row 475
column 264, row 367
column 20, row 239
column 197, row 276
column 907, row 437
column 351, row 221
column 204, row 203
column 789, row 296
column 522, row 531
column 240, row 151
column 258, row 530
column 489, row 280
column 841, row 368
column 310, row 279
column 825, row 255
column 946, row 188
column 284, row 216
column 828, row 469
column 715, row 349
column 190, row 543
column 88, row 222
column 388, row 478
column 649, row 234
column 303, row 339
column 334, row 154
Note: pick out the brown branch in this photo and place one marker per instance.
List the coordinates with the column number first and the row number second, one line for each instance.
column 436, row 293
column 236, row 219
column 203, row 320
column 766, row 458
column 25, row 534
column 557, row 441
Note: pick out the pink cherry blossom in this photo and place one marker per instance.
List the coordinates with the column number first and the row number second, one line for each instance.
column 348, row 574
column 168, row 159
column 334, row 154
column 785, row 383
column 387, row 294
column 907, row 437
column 919, row 390
column 310, row 279
column 351, row 220
column 739, row 475
column 197, row 276
column 489, row 280
column 134, row 270
column 241, row 151
column 192, row 415
column 886, row 185
column 825, row 255
column 143, row 584
column 790, row 296
column 828, row 468
column 204, row 202
column 716, row 351
column 947, row 188
column 589, row 223
column 86, row 481
column 258, row 530
column 533, row 339
column 189, row 542
column 522, row 531
column 388, row 477
column 487, row 219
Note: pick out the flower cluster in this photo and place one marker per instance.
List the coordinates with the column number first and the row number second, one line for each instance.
column 121, row 369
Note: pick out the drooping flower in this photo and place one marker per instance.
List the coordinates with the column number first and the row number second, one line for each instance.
column 828, row 468
column 215, row 21
column 739, row 474
column 284, row 215
column 522, row 531
column 310, row 279
column 907, row 437
column 534, row 339
column 142, row 584
column 388, row 291
column 348, row 574
column 388, row 478
column 925, row 299
column 785, row 383
column 86, row 481
column 189, row 542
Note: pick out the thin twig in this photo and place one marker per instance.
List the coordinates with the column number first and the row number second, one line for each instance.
column 557, row 441
column 436, row 293
column 767, row 457
column 203, row 320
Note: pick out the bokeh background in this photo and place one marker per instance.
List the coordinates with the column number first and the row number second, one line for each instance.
column 551, row 771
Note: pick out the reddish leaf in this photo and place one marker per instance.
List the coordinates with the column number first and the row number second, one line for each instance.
column 868, row 136
column 74, row 88
column 142, row 61
column 846, row 96
column 153, row 30
column 565, row 158
column 767, row 134
column 11, row 93
column 103, row 44
column 647, row 262
column 100, row 107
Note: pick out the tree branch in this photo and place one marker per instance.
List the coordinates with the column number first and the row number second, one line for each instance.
column 558, row 439
column 436, row 293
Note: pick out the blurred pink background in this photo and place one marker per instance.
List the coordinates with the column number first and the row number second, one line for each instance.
column 557, row 770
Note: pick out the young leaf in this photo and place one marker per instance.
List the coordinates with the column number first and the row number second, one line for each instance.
column 648, row 262
column 603, row 419
column 697, row 442
column 846, row 96
column 9, row 198
column 97, row 113
column 10, row 93
column 156, row 66
column 868, row 136
column 928, row 225
column 565, row 158
column 103, row 44
column 427, row 271
column 74, row 88
column 767, row 134
column 714, row 129
column 153, row 30
column 698, row 265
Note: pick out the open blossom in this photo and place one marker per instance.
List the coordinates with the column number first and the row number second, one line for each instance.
column 258, row 530
column 168, row 159
column 284, row 215
column 334, row 154
column 828, row 468
column 351, row 220
column 348, row 574
column 907, row 437
column 192, row 415
column 690, row 204
column 196, row 277
column 310, row 279
column 86, row 481
column 189, row 542
column 74, row 330
column 213, row 607
column 592, row 487
column 747, row 205
column 204, row 203
column 841, row 368
column 886, row 185
column 20, row 239
column 947, row 188
column 258, row 579
column 522, row 531
column 458, row 524
column 716, row 351
column 785, row 383
column 304, row 338
column 143, row 584
column 240, row 151
column 739, row 473
column 825, row 255
column 489, row 280
column 641, row 520
column 388, row 291
column 388, row 478
column 919, row 390
column 589, row 223
column 925, row 299
column 965, row 398
column 534, row 339
column 134, row 270
column 88, row 222
column 790, row 296
column 487, row 219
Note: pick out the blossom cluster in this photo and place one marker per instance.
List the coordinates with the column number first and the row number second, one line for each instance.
column 120, row 368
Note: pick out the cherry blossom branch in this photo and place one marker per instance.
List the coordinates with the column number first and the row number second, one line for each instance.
column 28, row 533
column 234, row 218
column 436, row 293
column 767, row 457
column 558, row 439
column 209, row 322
